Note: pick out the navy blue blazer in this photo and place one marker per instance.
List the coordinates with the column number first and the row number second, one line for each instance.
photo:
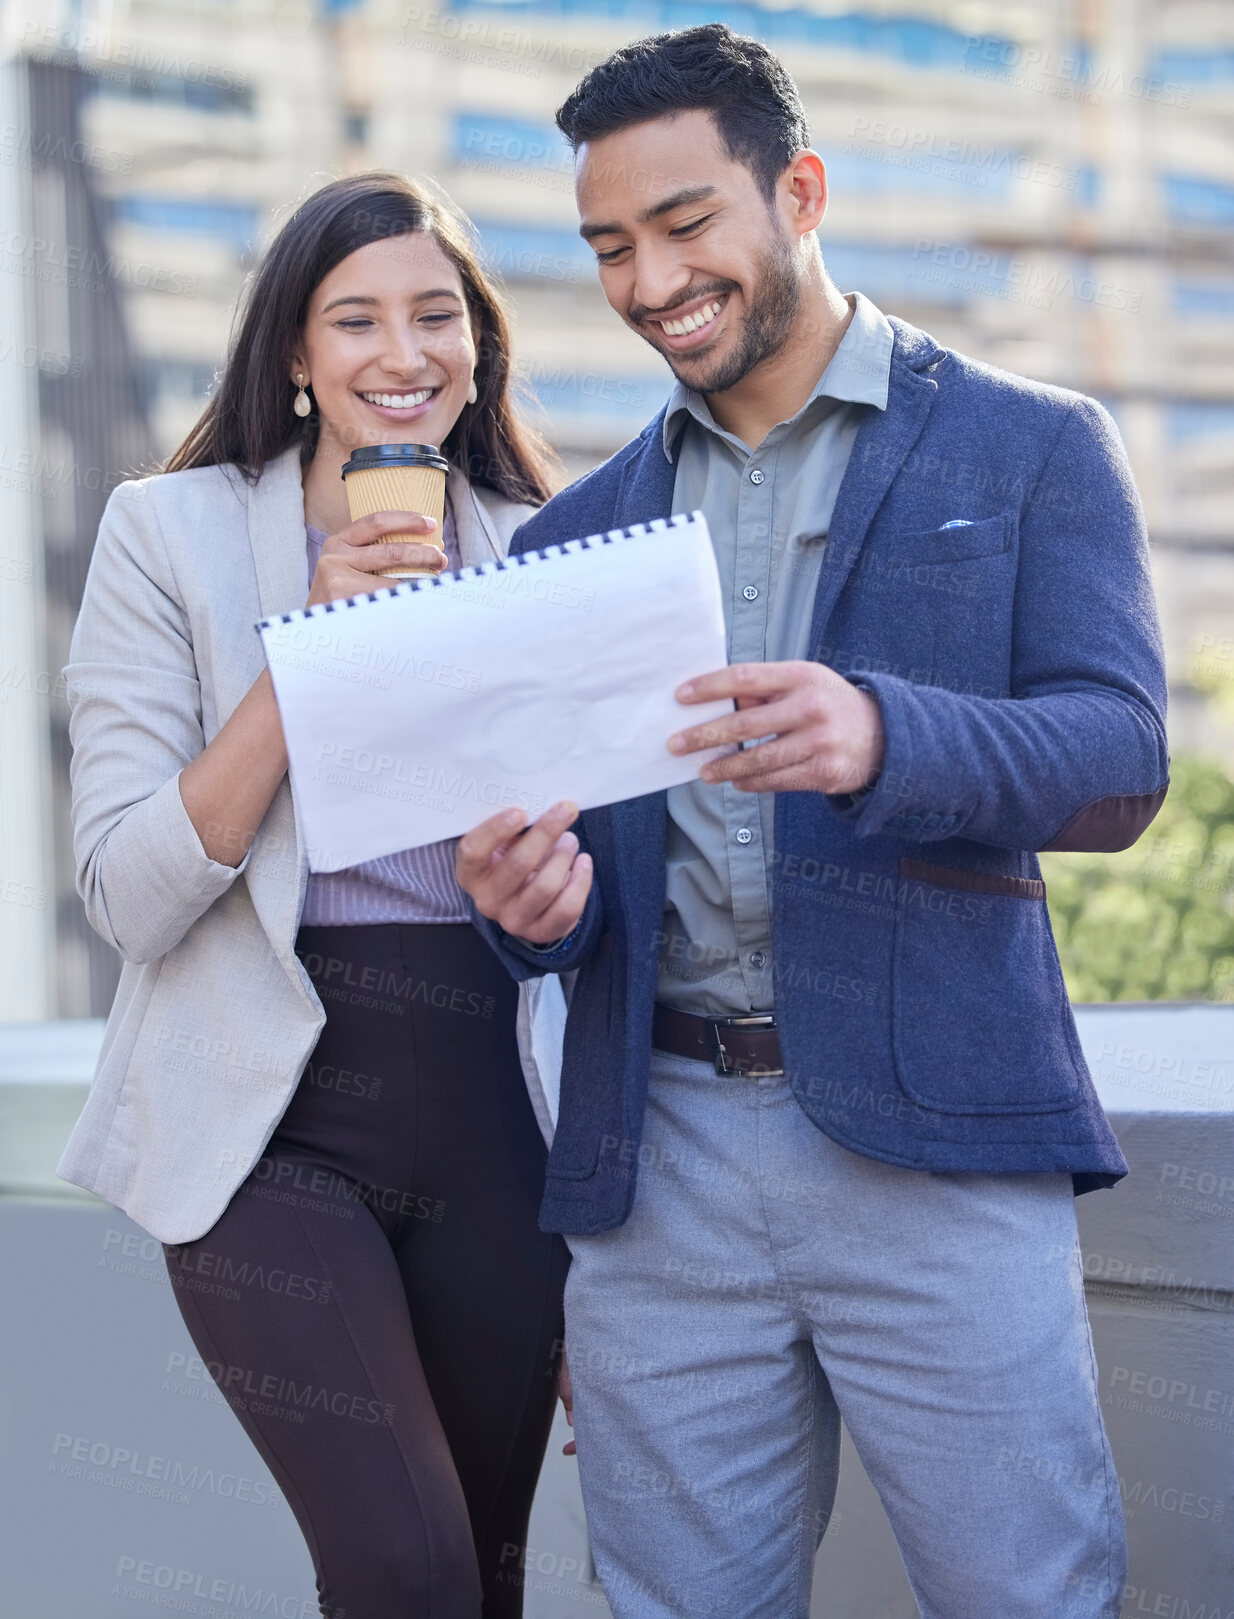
column 986, row 578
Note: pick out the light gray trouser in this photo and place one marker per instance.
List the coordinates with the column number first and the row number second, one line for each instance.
column 769, row 1281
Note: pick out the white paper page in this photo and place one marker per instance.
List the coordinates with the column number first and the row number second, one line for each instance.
column 414, row 714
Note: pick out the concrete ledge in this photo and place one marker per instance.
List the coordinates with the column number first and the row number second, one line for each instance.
column 109, row 1371
column 45, row 1073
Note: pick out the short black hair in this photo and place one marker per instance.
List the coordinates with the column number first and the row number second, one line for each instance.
column 746, row 89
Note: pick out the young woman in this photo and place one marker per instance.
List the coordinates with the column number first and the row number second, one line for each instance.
column 310, row 1087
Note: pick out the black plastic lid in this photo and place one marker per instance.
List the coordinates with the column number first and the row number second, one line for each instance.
column 396, row 455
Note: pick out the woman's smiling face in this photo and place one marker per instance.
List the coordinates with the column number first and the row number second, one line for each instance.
column 388, row 347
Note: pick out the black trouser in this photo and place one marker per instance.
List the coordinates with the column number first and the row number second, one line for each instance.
column 377, row 1303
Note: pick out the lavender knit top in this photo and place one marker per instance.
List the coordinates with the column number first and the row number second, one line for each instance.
column 416, row 885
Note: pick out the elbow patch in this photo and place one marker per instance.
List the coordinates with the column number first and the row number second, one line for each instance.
column 1108, row 824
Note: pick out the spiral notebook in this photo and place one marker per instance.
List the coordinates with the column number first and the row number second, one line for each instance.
column 414, row 713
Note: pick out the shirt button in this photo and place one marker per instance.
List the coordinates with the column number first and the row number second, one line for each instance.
column 756, row 476
column 744, row 835
column 758, row 959
column 750, row 593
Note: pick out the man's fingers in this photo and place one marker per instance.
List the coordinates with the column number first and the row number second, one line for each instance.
column 743, row 680
column 802, row 775
column 565, row 1384
column 781, row 753
column 742, row 725
column 790, row 779
column 565, row 1391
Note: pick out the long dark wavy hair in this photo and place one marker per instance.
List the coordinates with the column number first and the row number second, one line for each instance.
column 249, row 419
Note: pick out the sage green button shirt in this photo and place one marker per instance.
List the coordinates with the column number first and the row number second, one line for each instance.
column 768, row 511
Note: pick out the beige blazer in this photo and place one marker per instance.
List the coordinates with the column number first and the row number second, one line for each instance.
column 214, row 1018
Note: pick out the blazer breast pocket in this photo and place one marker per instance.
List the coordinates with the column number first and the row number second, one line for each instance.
column 957, row 541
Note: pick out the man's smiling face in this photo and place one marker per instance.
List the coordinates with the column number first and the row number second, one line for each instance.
column 691, row 255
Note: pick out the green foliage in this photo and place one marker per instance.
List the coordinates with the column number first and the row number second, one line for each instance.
column 1155, row 923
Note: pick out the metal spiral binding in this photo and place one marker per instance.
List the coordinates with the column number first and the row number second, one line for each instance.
column 636, row 531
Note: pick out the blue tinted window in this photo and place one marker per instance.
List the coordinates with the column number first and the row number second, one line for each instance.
column 1191, row 420
column 1201, row 297
column 236, row 222
column 207, row 89
column 524, row 253
column 1188, row 67
column 481, row 138
column 1192, row 200
column 918, row 40
column 876, row 167
column 576, row 391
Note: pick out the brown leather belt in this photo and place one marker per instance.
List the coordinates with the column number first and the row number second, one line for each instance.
column 746, row 1046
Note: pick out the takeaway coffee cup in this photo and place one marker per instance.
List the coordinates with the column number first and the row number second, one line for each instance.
column 399, row 478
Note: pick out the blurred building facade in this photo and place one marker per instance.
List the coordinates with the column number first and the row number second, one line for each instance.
column 1049, row 187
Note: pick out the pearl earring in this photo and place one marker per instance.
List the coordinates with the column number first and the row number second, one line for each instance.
column 473, row 392
column 302, row 404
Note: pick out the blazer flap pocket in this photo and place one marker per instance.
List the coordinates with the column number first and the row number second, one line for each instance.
column 972, row 882
column 957, row 541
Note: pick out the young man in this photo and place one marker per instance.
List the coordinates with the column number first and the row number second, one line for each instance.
column 823, row 1108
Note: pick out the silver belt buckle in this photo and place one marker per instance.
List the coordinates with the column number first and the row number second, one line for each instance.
column 719, row 1051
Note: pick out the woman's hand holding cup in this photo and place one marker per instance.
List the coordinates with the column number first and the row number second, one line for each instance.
column 352, row 560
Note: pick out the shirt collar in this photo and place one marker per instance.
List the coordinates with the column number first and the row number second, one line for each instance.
column 859, row 372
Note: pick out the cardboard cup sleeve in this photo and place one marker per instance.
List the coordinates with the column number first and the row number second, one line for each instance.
column 400, row 489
